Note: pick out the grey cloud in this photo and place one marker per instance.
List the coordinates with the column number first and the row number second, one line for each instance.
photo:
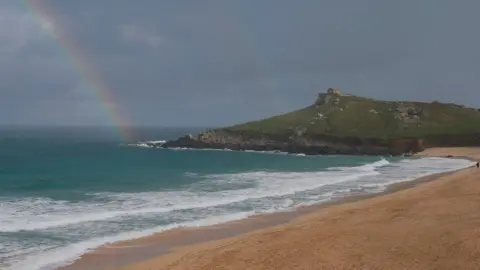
column 220, row 62
column 142, row 35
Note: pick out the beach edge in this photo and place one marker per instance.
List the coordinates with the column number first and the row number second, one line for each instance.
column 172, row 242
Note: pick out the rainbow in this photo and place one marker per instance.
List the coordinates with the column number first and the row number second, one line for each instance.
column 83, row 64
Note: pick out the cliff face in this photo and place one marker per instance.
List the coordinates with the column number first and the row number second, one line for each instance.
column 308, row 145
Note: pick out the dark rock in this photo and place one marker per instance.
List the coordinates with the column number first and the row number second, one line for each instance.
column 307, row 145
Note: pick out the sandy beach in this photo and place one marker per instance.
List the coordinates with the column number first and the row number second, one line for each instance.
column 430, row 223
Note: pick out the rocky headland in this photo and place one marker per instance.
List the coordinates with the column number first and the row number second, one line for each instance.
column 339, row 123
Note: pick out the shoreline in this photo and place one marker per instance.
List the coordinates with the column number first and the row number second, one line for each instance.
column 165, row 244
column 265, row 151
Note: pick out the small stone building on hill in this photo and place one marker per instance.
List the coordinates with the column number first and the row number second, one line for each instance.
column 334, row 91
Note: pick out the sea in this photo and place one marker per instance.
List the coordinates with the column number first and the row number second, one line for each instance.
column 64, row 191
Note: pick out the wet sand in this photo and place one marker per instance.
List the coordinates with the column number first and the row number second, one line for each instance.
column 422, row 224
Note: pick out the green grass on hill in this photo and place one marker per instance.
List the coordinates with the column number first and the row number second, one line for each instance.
column 351, row 116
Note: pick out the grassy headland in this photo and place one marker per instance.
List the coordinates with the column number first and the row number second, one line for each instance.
column 345, row 124
column 353, row 116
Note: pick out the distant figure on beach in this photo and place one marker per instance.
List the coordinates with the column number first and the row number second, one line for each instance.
column 478, row 164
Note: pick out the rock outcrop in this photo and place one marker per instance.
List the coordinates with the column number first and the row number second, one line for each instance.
column 319, row 145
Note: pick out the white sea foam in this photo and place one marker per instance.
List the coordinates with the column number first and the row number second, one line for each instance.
column 46, row 213
column 147, row 144
column 230, row 150
column 265, row 191
column 276, row 152
column 366, row 167
column 40, row 213
column 54, row 258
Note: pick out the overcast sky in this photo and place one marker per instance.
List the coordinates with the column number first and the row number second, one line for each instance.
column 211, row 63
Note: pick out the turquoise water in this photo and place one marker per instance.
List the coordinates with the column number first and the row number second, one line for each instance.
column 64, row 191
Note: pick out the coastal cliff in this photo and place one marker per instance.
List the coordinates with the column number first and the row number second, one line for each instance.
column 339, row 123
column 307, row 145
